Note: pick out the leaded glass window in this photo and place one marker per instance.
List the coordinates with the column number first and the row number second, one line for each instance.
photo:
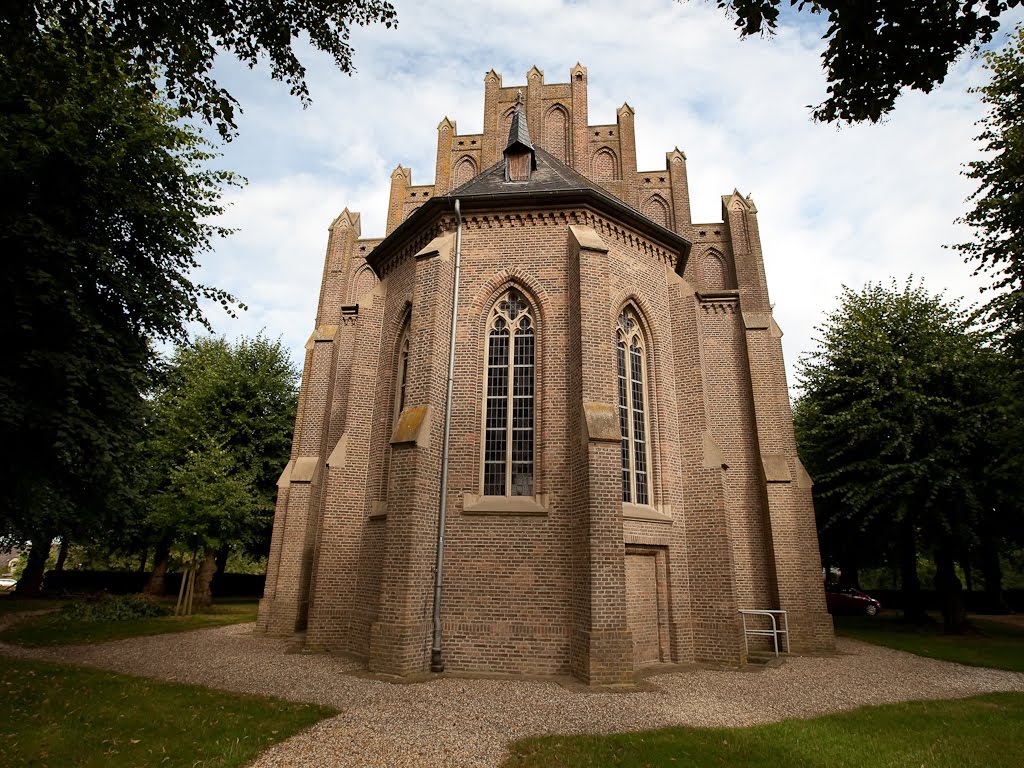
column 402, row 372
column 636, row 453
column 401, row 386
column 509, row 408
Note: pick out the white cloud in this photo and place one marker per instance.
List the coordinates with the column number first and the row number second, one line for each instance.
column 837, row 206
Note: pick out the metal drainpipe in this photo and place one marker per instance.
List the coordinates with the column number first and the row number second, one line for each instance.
column 436, row 661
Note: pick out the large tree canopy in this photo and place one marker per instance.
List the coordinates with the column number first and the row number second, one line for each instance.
column 878, row 48
column 181, row 40
column 892, row 424
column 107, row 198
column 998, row 213
column 108, row 195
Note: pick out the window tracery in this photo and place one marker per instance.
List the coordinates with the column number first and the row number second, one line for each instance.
column 401, row 371
column 509, row 403
column 632, row 385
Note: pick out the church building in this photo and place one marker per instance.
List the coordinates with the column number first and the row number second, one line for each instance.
column 590, row 468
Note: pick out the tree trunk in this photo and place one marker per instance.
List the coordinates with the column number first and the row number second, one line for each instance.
column 951, row 597
column 203, row 597
column 31, row 582
column 222, row 565
column 157, row 584
column 913, row 610
column 143, row 559
column 992, row 573
column 62, row 554
column 849, row 572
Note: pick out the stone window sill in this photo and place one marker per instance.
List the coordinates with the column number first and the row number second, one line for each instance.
column 472, row 504
column 647, row 513
column 379, row 510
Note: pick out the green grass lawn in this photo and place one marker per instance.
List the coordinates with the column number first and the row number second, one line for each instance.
column 985, row 731
column 71, row 717
column 50, row 630
column 995, row 644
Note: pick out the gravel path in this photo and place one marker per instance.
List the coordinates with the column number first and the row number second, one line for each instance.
column 462, row 722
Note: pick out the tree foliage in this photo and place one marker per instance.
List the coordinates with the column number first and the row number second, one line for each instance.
column 998, row 213
column 892, row 422
column 108, row 195
column 221, row 431
column 878, row 48
column 107, row 199
column 182, row 40
column 208, row 500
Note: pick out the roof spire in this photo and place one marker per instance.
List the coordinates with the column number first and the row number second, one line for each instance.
column 520, row 157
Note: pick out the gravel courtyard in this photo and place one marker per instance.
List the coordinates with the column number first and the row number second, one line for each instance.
column 467, row 722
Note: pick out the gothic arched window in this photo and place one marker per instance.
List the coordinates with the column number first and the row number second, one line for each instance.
column 401, row 363
column 401, row 371
column 509, row 407
column 636, row 449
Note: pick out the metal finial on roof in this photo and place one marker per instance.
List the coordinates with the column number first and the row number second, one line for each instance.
column 518, row 131
column 520, row 157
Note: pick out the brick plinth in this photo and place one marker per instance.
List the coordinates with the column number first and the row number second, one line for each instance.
column 400, row 649
column 609, row 657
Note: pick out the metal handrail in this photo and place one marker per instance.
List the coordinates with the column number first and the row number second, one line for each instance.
column 774, row 632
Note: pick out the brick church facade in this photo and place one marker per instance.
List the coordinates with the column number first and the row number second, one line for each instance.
column 622, row 476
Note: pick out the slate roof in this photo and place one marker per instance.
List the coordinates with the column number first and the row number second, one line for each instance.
column 551, row 182
column 518, row 134
column 552, row 178
column 550, row 175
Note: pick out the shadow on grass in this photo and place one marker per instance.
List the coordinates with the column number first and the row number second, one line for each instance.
column 58, row 715
column 980, row 732
column 993, row 644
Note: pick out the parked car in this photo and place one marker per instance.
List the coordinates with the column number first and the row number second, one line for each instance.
column 844, row 599
column 7, row 584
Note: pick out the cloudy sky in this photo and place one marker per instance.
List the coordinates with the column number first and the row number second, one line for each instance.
column 836, row 206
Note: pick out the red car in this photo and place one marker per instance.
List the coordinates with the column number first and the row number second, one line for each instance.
column 843, row 599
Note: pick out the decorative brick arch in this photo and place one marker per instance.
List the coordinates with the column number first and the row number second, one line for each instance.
column 501, row 281
column 556, row 132
column 605, row 165
column 465, row 169
column 505, row 126
column 713, row 271
column 656, row 209
column 363, row 281
column 643, row 308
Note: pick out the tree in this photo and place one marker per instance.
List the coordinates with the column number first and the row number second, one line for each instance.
column 181, row 40
column 209, row 501
column 891, row 424
column 221, row 431
column 107, row 198
column 107, row 201
column 997, row 218
column 998, row 214
column 878, row 48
